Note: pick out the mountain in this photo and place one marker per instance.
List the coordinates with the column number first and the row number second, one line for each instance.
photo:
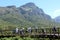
column 57, row 19
column 28, row 15
column 30, row 9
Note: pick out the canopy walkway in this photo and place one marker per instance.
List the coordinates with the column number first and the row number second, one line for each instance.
column 35, row 33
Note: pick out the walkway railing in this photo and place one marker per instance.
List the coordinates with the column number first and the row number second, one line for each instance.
column 35, row 33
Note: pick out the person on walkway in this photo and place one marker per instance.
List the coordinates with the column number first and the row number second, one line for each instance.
column 54, row 30
column 29, row 29
column 21, row 31
column 43, row 31
column 17, row 30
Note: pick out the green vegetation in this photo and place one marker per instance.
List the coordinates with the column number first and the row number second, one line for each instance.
column 25, row 38
column 28, row 15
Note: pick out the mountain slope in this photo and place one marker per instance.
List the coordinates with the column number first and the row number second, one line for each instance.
column 28, row 15
column 57, row 19
column 31, row 9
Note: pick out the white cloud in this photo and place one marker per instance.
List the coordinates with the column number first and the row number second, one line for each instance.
column 56, row 13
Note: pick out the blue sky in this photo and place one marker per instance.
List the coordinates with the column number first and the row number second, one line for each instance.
column 50, row 7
